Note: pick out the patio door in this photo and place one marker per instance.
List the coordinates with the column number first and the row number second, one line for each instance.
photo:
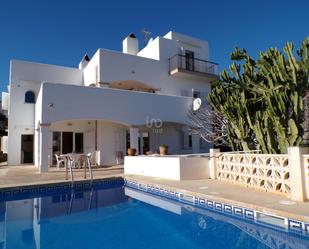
column 79, row 143
column 56, row 145
column 144, row 143
column 27, row 145
column 67, row 142
column 189, row 55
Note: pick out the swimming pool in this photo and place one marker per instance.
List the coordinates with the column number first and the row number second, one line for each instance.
column 112, row 215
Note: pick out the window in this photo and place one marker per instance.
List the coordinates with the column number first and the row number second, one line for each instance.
column 29, row 97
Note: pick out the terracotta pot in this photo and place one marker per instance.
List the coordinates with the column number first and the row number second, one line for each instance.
column 131, row 151
column 163, row 150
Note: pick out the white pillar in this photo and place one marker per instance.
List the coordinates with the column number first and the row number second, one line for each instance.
column 134, row 134
column 297, row 172
column 44, row 148
column 213, row 163
column 37, row 147
column 195, row 143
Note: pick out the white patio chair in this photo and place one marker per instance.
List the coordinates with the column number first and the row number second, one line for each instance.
column 60, row 160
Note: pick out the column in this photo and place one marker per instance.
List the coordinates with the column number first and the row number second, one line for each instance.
column 212, row 163
column 297, row 172
column 195, row 143
column 44, row 148
column 134, row 134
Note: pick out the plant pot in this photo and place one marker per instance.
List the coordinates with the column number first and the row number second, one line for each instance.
column 163, row 150
column 131, row 151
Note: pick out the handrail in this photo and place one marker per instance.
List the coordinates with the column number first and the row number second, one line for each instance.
column 196, row 59
column 191, row 64
column 70, row 163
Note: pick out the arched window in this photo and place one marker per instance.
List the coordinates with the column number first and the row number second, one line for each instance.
column 29, row 97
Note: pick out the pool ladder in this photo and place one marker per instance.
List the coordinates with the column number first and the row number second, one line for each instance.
column 71, row 162
column 72, row 197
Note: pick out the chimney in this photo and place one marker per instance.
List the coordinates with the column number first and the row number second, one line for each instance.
column 130, row 45
column 84, row 62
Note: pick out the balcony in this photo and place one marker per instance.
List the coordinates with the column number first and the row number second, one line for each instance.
column 190, row 67
column 59, row 102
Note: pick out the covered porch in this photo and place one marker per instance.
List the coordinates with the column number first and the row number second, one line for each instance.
column 109, row 141
column 107, row 122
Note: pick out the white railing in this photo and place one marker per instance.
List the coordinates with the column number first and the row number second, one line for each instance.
column 306, row 174
column 270, row 173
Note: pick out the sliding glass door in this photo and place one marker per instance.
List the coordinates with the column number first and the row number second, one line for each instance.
column 67, row 142
column 79, row 142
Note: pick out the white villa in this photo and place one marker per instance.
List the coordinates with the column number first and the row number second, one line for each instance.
column 136, row 98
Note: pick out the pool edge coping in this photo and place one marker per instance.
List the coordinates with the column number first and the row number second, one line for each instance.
column 58, row 182
column 293, row 220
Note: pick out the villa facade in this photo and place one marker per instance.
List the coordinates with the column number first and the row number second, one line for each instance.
column 136, row 98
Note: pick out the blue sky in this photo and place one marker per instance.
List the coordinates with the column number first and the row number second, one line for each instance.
column 60, row 32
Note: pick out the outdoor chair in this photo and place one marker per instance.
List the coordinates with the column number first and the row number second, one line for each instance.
column 60, row 160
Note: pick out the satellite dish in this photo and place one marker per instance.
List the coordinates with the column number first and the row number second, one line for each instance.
column 197, row 104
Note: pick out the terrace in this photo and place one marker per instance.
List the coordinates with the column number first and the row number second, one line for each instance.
column 279, row 206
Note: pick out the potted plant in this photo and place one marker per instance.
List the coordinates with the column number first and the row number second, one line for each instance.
column 163, row 148
column 131, row 151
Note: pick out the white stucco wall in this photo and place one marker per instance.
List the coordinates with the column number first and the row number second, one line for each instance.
column 38, row 72
column 27, row 76
column 120, row 106
column 21, row 118
column 111, row 138
column 89, row 72
column 168, row 167
column 152, row 50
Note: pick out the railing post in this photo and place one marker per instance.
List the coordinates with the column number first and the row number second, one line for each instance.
column 213, row 163
column 297, row 172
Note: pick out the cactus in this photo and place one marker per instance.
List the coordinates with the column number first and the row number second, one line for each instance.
column 263, row 99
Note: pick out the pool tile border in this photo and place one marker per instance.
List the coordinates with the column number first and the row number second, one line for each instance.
column 11, row 192
column 292, row 225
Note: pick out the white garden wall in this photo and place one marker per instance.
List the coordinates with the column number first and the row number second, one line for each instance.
column 168, row 167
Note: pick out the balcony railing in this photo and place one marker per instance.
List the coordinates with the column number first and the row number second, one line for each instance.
column 184, row 63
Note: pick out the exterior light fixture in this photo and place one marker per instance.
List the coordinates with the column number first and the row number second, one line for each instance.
column 50, row 106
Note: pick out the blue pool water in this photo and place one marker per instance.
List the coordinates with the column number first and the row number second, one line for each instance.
column 114, row 216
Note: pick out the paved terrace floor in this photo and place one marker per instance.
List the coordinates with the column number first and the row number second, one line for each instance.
column 12, row 176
